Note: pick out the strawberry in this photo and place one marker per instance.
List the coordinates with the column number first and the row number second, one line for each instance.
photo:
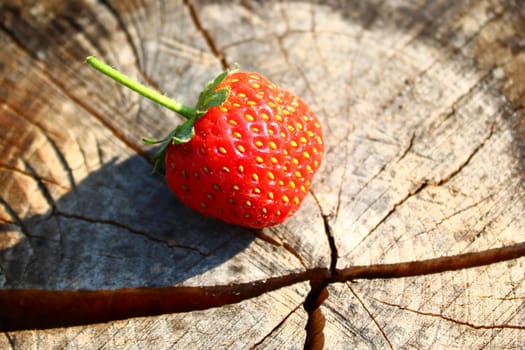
column 247, row 152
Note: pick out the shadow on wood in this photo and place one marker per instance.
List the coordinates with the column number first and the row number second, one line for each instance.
column 117, row 229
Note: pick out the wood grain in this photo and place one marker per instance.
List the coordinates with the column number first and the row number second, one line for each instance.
column 422, row 108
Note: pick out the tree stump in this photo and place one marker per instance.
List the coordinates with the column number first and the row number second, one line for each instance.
column 413, row 235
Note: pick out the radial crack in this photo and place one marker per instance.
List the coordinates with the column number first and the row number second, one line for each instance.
column 41, row 186
column 277, row 327
column 450, row 319
column 408, row 147
column 467, row 160
column 369, row 313
column 276, row 241
column 54, row 146
column 316, row 320
column 77, row 100
column 319, row 292
column 31, row 175
column 57, row 308
column 329, row 234
column 207, row 36
column 396, row 205
column 456, row 213
column 17, row 220
column 10, row 341
column 129, row 229
column 431, row 266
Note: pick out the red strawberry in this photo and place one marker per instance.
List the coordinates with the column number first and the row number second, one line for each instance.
column 247, row 153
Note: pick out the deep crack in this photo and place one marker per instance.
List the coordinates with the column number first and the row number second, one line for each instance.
column 319, row 292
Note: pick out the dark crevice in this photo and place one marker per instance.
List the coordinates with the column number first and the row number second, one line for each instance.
column 41, row 186
column 316, row 320
column 417, row 189
column 58, row 308
column 10, row 341
column 408, row 147
column 430, row 266
column 294, row 252
column 319, row 292
column 32, row 175
column 17, row 220
column 260, row 234
column 342, row 182
column 61, row 157
column 331, row 243
column 54, row 146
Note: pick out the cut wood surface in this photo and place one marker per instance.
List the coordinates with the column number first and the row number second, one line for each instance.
column 413, row 235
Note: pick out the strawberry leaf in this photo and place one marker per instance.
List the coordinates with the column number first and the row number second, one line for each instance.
column 184, row 132
column 209, row 97
column 214, row 99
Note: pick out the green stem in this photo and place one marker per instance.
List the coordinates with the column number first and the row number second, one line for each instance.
column 145, row 91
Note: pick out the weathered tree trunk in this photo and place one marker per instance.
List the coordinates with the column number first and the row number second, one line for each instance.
column 413, row 235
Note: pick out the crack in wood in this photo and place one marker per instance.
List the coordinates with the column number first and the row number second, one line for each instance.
column 52, row 308
column 343, row 179
column 31, row 175
column 55, row 308
column 408, row 147
column 294, row 252
column 41, row 186
column 278, row 242
column 277, row 327
column 77, row 100
column 467, row 160
column 450, row 319
column 375, row 176
column 425, row 183
column 316, row 320
column 456, row 213
column 17, row 220
column 431, row 266
column 54, row 146
column 10, row 340
column 129, row 229
column 206, row 34
column 319, row 292
column 417, row 189
column 369, row 313
column 260, row 234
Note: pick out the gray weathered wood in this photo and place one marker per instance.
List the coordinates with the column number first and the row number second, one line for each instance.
column 422, row 109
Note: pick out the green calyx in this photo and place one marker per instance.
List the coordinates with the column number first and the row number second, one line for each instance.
column 208, row 98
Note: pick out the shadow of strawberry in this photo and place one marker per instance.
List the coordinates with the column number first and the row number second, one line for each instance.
column 119, row 228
